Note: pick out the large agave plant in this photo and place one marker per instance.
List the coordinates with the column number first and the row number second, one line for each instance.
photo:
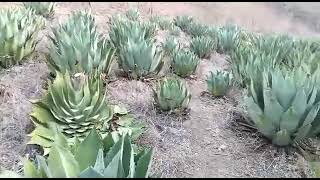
column 284, row 106
column 218, row 83
column 202, row 46
column 45, row 9
column 140, row 58
column 94, row 157
column 183, row 22
column 172, row 93
column 75, row 105
column 18, row 35
column 184, row 63
column 76, row 47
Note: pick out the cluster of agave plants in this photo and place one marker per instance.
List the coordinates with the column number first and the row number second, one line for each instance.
column 83, row 135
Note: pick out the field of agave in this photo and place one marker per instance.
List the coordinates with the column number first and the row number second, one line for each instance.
column 80, row 131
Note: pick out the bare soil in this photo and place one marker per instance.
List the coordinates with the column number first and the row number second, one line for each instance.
column 206, row 143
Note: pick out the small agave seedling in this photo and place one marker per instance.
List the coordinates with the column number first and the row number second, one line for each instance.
column 218, row 83
column 171, row 45
column 172, row 93
column 184, row 63
column 202, row 46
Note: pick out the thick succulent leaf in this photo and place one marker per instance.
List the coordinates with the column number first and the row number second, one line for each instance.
column 87, row 151
column 62, row 163
column 90, row 173
column 30, row 170
column 143, row 165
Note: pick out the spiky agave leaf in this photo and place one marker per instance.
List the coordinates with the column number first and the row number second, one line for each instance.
column 184, row 63
column 18, row 32
column 202, row 46
column 218, row 83
column 171, row 93
column 77, row 47
column 45, row 9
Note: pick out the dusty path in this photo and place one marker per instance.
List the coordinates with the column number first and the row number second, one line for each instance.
column 204, row 144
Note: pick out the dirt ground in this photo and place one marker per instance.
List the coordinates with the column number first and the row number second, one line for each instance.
column 204, row 144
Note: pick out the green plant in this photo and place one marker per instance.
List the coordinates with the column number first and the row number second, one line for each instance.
column 183, row 22
column 140, row 58
column 94, row 157
column 18, row 35
column 133, row 14
column 75, row 105
column 228, row 38
column 218, row 83
column 170, row 45
column 283, row 106
column 184, row 62
column 197, row 29
column 122, row 29
column 162, row 22
column 77, row 47
column 171, row 93
column 202, row 46
column 45, row 9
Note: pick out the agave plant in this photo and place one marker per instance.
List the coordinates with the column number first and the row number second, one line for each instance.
column 161, row 22
column 202, row 46
column 76, row 47
column 133, row 14
column 94, row 157
column 184, row 63
column 140, row 58
column 122, row 29
column 183, row 22
column 218, row 83
column 172, row 93
column 18, row 35
column 278, row 46
column 75, row 105
column 284, row 106
column 171, row 45
column 228, row 38
column 196, row 29
column 45, row 9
